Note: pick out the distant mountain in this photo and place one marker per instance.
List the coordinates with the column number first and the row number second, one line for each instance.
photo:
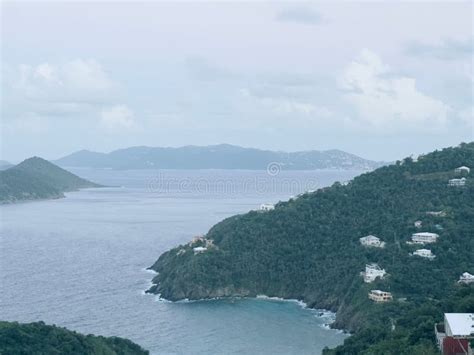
column 36, row 178
column 5, row 164
column 39, row 338
column 223, row 156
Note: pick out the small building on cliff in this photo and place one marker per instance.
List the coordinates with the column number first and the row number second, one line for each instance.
column 466, row 278
column 424, row 253
column 380, row 296
column 199, row 250
column 457, row 182
column 372, row 271
column 424, row 238
column 455, row 333
column 462, row 170
column 372, row 241
column 265, row 207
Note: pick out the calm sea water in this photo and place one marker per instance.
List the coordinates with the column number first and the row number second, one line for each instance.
column 79, row 262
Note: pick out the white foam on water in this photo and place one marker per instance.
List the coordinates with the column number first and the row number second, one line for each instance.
column 279, row 299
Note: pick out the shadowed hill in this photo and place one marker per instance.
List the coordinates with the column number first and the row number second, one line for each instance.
column 36, row 178
column 39, row 338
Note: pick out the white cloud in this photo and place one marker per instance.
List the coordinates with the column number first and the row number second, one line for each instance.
column 87, row 75
column 382, row 98
column 286, row 105
column 117, row 117
column 81, row 89
column 75, row 81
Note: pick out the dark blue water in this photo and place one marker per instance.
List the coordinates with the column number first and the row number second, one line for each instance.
column 79, row 262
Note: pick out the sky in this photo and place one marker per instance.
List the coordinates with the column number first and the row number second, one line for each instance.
column 382, row 80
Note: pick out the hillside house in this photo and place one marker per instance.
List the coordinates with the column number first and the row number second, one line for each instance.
column 454, row 334
column 436, row 213
column 424, row 238
column 462, row 170
column 424, row 253
column 372, row 241
column 457, row 182
column 199, row 250
column 372, row 271
column 197, row 239
column 466, row 278
column 266, row 207
column 418, row 224
column 380, row 296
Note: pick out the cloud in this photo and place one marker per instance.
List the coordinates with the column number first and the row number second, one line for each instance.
column 301, row 15
column 381, row 98
column 80, row 81
column 287, row 106
column 79, row 89
column 117, row 117
column 447, row 49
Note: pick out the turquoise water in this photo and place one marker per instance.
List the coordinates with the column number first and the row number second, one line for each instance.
column 80, row 262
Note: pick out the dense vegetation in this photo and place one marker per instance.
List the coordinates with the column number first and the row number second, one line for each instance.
column 36, row 178
column 308, row 249
column 39, row 338
column 221, row 156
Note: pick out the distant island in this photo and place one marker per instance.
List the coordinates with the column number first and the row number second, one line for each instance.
column 39, row 338
column 223, row 156
column 37, row 179
column 389, row 252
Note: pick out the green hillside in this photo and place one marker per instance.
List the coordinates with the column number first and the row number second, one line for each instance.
column 40, row 339
column 308, row 249
column 36, row 178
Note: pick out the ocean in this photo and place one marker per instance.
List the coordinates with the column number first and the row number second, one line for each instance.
column 80, row 262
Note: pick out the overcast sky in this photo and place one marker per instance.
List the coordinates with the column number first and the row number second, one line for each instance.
column 380, row 80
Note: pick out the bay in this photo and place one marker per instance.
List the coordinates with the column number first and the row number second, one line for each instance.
column 79, row 262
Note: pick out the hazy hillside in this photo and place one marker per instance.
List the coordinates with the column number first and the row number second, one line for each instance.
column 36, row 178
column 5, row 164
column 39, row 338
column 309, row 249
column 222, row 156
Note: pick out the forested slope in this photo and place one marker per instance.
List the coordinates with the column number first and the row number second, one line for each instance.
column 39, row 338
column 309, row 249
column 36, row 178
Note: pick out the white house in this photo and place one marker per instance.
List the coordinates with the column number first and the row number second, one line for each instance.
column 380, row 296
column 455, row 333
column 197, row 239
column 372, row 271
column 424, row 253
column 459, row 325
column 457, row 182
column 436, row 213
column 371, row 241
column 266, row 207
column 424, row 238
column 199, row 250
column 466, row 278
column 418, row 224
column 462, row 169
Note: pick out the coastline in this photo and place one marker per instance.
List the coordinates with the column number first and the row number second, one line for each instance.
column 324, row 314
